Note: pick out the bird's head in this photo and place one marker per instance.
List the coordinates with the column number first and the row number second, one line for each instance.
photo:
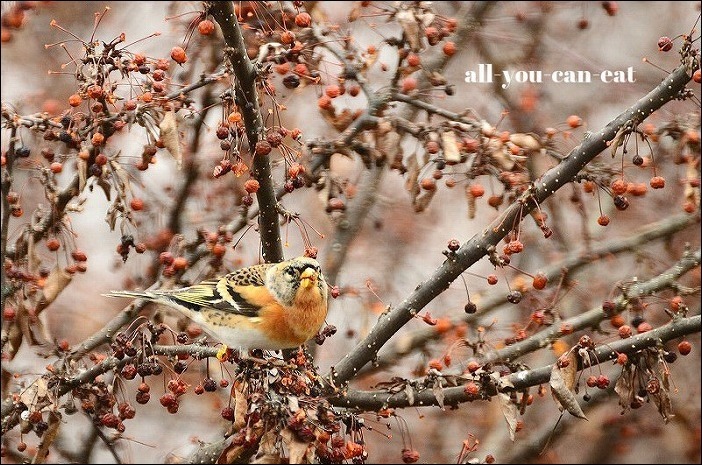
column 295, row 279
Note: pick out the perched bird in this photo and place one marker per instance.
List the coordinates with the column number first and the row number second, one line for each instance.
column 270, row 307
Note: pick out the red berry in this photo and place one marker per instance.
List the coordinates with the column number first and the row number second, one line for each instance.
column 477, row 190
column 205, row 27
column 697, row 76
column 251, row 186
column 449, row 48
column 303, row 19
column 540, row 281
column 603, row 220
column 684, row 347
column 574, row 121
column 410, row 455
column 657, row 182
column 624, row 331
column 263, row 147
column 622, row 359
column 665, row 44
column 56, row 167
column 178, row 55
column 409, row 84
column 591, row 381
column 53, row 244
column 137, row 204
column 619, row 186
column 333, row 91
column 75, row 100
column 413, row 59
column 79, row 255
column 492, row 279
column 644, row 327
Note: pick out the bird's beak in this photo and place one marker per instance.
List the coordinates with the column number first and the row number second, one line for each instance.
column 308, row 278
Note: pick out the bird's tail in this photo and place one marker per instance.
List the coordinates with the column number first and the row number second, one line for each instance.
column 132, row 294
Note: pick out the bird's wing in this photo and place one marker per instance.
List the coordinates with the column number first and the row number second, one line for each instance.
column 242, row 292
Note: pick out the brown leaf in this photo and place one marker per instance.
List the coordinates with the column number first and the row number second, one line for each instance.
column 82, row 167
column 297, row 449
column 240, row 405
column 561, row 383
column 410, row 28
column 529, row 142
column 268, row 450
column 355, row 12
column 56, row 282
column 48, row 437
column 624, row 387
column 438, row 393
column 106, row 187
column 169, row 136
column 449, row 143
column 510, row 412
column 421, row 202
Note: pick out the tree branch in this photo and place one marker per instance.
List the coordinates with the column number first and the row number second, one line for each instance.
column 478, row 246
column 247, row 99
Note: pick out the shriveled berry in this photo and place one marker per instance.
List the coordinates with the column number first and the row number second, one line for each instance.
column 178, row 55
column 665, row 44
column 205, row 27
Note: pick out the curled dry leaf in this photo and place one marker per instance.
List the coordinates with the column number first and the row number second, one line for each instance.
column 56, row 282
column 528, row 142
column 268, row 451
column 240, row 405
column 410, row 28
column 169, row 136
column 498, row 152
column 449, row 143
column 297, row 449
column 562, row 382
column 438, row 391
column 510, row 412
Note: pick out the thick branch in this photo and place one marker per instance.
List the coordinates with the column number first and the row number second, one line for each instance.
column 573, row 262
column 376, row 400
column 247, row 99
column 477, row 247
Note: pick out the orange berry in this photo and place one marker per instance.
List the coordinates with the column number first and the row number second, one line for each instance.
column 657, row 182
column 303, row 19
column 413, row 59
column 178, row 55
column 449, row 48
column 332, row 91
column 408, row 85
column 137, row 204
column 574, row 121
column 75, row 100
column 56, row 167
column 53, row 244
column 476, row 190
column 205, row 27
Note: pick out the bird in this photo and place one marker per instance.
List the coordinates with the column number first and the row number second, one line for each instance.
column 271, row 306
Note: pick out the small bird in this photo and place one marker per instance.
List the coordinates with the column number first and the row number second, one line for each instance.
column 271, row 306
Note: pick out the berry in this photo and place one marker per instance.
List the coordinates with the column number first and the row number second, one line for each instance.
column 619, row 186
column 205, row 27
column 53, row 244
column 178, row 55
column 657, row 182
column 75, row 100
column 665, row 44
column 263, row 147
column 492, row 279
column 514, row 297
column 137, row 204
column 251, row 186
column 643, row 327
column 449, row 48
column 303, row 19
column 477, row 190
column 574, row 121
column 540, row 281
column 684, row 347
column 470, row 308
column 408, row 85
column 603, row 220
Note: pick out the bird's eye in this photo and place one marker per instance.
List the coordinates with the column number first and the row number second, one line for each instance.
column 290, row 271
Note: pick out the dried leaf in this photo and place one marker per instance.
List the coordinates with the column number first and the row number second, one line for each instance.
column 48, row 437
column 449, row 143
column 421, row 202
column 438, row 393
column 411, row 182
column 82, row 167
column 510, row 412
column 410, row 28
column 618, row 139
column 56, row 282
column 355, row 12
column 36, row 393
column 471, row 204
column 297, row 449
column 561, row 383
column 169, row 136
column 529, row 142
column 113, row 213
column 268, row 450
column 497, row 151
column 409, row 391
column 624, row 387
column 106, row 187
column 240, row 406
